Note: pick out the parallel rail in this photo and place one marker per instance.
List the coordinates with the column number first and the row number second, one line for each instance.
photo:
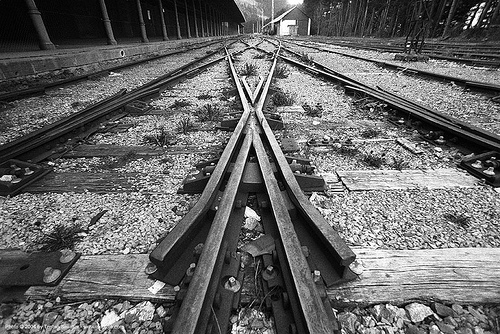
column 39, row 144
column 477, row 85
column 252, row 165
column 40, row 89
column 470, row 133
column 491, row 58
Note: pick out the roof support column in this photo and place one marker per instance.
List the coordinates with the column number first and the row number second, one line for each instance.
column 201, row 20
column 187, row 20
column 144, row 36
column 195, row 21
column 177, row 20
column 163, row 25
column 107, row 23
column 36, row 17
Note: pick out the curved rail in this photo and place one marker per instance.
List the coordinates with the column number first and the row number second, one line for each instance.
column 206, row 238
column 37, row 145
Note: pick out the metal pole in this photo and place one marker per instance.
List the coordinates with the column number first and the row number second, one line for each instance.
column 141, row 23
column 272, row 16
column 36, row 17
column 163, row 25
column 107, row 23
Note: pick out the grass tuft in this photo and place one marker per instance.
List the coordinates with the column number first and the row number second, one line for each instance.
column 313, row 111
column 204, row 96
column 161, row 137
column 373, row 160
column 185, row 125
column 180, row 104
column 249, row 69
column 61, row 237
column 399, row 163
column 306, row 58
column 282, row 72
column 370, row 133
column 209, row 112
column 459, row 219
column 282, row 99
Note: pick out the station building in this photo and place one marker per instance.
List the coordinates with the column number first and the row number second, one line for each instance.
column 46, row 36
column 46, row 24
column 291, row 23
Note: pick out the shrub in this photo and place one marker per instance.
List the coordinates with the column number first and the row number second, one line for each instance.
column 185, row 125
column 161, row 137
column 209, row 112
column 281, row 72
column 282, row 99
column 249, row 69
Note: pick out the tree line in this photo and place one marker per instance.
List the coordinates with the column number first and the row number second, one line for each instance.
column 394, row 18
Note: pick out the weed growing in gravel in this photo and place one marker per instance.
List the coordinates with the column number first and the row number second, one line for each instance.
column 249, row 69
column 348, row 150
column 110, row 162
column 282, row 72
column 399, row 163
column 185, row 125
column 5, row 106
column 313, row 111
column 204, row 96
column 61, row 237
column 373, row 160
column 180, row 104
column 458, row 218
column 282, row 99
column 306, row 58
column 370, row 133
column 209, row 112
column 161, row 137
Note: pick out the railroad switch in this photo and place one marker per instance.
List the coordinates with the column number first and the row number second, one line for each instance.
column 16, row 175
column 484, row 166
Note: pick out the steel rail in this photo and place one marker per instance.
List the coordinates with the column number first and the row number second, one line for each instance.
column 15, row 95
column 28, row 147
column 452, row 125
column 478, row 85
column 384, row 48
column 317, row 317
column 219, row 212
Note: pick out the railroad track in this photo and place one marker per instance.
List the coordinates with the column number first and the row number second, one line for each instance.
column 200, row 255
column 454, row 126
column 42, row 88
column 489, row 57
column 476, row 85
column 252, row 165
column 42, row 143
